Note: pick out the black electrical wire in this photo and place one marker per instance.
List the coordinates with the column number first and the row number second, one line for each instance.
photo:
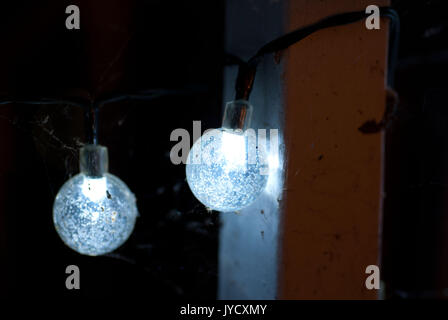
column 247, row 70
column 43, row 101
column 146, row 95
column 92, row 112
column 92, row 108
column 91, row 121
column 246, row 73
column 231, row 59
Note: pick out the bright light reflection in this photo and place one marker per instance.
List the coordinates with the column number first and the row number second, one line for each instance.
column 94, row 188
column 233, row 148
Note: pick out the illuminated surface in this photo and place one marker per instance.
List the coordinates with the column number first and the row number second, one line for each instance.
column 94, row 216
column 224, row 170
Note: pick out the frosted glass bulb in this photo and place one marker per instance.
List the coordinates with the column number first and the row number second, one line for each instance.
column 94, row 212
column 226, row 170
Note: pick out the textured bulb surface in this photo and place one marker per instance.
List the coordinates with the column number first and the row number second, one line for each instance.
column 224, row 170
column 94, row 216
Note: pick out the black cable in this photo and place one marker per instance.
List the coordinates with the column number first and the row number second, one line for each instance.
column 92, row 108
column 91, row 114
column 231, row 59
column 247, row 71
column 146, row 95
column 43, row 101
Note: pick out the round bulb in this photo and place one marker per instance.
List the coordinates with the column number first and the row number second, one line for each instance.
column 94, row 213
column 226, row 171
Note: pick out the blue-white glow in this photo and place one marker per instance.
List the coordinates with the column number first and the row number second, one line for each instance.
column 225, row 170
column 94, row 216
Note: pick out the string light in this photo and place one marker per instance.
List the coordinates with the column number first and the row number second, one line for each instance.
column 94, row 212
column 226, row 168
column 218, row 169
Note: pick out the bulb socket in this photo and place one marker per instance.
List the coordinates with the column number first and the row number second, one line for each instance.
column 93, row 160
column 237, row 115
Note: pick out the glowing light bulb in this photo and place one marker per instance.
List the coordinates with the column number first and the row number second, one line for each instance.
column 226, row 170
column 94, row 212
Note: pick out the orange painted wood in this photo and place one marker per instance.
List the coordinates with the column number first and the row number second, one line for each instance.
column 335, row 81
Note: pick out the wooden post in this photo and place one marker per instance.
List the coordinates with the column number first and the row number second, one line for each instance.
column 335, row 81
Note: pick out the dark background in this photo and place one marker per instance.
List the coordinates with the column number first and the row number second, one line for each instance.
column 126, row 46
column 122, row 46
column 415, row 231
